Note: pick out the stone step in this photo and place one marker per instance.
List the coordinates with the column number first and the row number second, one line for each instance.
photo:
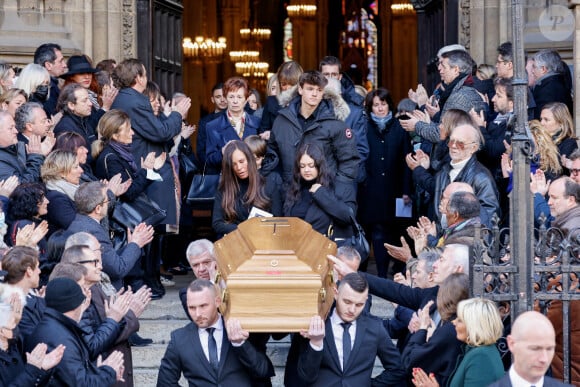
column 160, row 330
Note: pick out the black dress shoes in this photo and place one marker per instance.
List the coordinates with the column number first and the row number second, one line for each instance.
column 137, row 341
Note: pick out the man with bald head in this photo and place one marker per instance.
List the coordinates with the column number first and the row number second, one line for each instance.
column 532, row 343
column 464, row 142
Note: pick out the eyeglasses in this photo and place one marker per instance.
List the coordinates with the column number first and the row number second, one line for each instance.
column 574, row 171
column 459, row 144
column 93, row 261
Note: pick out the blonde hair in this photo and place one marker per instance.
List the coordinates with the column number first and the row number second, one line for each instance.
column 57, row 164
column 272, row 81
column 546, row 149
column 563, row 118
column 109, row 125
column 485, row 71
column 31, row 76
column 10, row 94
column 482, row 321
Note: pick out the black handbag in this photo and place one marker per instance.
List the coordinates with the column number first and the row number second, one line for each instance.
column 140, row 210
column 358, row 239
column 203, row 188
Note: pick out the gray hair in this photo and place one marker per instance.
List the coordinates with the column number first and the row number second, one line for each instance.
column 199, row 247
column 80, row 239
column 461, row 59
column 46, row 53
column 349, row 253
column 75, row 254
column 430, row 255
column 451, row 47
column 89, row 196
column 460, row 255
column 549, row 59
column 25, row 115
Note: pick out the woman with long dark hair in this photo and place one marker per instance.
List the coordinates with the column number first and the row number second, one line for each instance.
column 311, row 195
column 241, row 188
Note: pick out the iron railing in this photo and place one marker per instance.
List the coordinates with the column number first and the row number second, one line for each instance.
column 554, row 278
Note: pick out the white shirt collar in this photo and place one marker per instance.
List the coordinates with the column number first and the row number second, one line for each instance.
column 518, row 381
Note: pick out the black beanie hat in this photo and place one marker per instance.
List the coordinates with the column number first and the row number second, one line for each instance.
column 63, row 295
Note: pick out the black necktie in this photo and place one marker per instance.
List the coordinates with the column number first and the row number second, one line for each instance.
column 346, row 347
column 212, row 346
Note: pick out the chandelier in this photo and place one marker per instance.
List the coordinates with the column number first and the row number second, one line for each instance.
column 255, row 33
column 247, row 60
column 252, row 69
column 301, row 10
column 402, row 9
column 204, row 50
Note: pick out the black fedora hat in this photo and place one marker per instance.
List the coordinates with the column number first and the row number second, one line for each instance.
column 78, row 64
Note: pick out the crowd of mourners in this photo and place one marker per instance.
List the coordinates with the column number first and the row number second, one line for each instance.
column 420, row 177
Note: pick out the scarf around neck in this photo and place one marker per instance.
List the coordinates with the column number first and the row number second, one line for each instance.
column 125, row 152
column 63, row 186
column 381, row 122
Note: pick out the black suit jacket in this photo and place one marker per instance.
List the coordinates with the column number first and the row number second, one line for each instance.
column 236, row 364
column 548, row 382
column 258, row 340
column 322, row 368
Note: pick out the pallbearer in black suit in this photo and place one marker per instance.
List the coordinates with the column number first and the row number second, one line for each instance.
column 343, row 349
column 210, row 351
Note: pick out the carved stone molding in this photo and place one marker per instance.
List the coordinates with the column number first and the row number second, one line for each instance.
column 465, row 23
column 128, row 29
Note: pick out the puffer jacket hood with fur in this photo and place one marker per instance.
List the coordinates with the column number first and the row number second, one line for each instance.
column 339, row 105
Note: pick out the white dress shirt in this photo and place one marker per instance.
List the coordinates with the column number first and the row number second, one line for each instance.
column 518, row 381
column 338, row 330
column 218, row 335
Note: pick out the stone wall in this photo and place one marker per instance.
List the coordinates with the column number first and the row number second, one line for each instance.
column 99, row 28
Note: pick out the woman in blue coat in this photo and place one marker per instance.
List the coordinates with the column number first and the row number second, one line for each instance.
column 388, row 177
column 233, row 124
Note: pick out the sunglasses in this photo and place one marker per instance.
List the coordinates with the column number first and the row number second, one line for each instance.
column 459, row 144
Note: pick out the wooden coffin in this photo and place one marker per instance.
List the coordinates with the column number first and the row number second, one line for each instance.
column 274, row 274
